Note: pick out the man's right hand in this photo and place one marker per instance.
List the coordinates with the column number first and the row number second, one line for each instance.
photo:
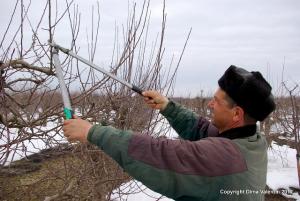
column 155, row 100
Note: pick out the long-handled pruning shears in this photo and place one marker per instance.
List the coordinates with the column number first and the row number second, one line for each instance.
column 63, row 88
column 66, row 99
column 69, row 52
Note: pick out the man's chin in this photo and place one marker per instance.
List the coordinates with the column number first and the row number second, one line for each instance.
column 212, row 121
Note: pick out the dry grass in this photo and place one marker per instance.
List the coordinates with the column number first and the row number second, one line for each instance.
column 65, row 175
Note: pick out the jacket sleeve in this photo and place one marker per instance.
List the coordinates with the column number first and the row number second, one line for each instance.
column 179, row 169
column 187, row 124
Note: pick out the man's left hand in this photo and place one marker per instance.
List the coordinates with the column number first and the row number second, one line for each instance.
column 76, row 129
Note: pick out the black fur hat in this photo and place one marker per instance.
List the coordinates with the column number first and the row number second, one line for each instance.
column 249, row 90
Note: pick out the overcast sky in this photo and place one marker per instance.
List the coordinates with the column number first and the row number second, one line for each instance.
column 255, row 34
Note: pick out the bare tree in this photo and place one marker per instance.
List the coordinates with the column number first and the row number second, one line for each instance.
column 31, row 106
column 286, row 117
column 291, row 121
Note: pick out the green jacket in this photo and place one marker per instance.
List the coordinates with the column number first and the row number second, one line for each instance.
column 203, row 165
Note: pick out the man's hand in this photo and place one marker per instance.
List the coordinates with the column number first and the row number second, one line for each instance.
column 155, row 100
column 76, row 129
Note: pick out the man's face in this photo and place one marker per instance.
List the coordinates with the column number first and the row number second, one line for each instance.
column 221, row 110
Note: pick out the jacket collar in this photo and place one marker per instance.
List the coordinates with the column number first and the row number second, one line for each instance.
column 239, row 132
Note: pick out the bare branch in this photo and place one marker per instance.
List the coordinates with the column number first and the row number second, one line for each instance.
column 21, row 64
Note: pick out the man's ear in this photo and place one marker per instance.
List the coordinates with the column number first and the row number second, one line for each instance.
column 238, row 114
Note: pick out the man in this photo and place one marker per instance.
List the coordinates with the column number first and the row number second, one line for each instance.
column 222, row 160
